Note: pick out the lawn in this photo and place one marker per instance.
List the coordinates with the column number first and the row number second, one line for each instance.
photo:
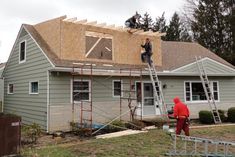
column 151, row 144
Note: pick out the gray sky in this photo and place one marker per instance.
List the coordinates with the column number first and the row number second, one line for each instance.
column 15, row 12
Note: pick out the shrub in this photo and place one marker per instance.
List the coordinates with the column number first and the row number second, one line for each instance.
column 231, row 114
column 31, row 133
column 206, row 117
column 222, row 115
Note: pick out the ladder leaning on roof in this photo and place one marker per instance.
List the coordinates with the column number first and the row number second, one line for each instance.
column 207, row 89
column 157, row 90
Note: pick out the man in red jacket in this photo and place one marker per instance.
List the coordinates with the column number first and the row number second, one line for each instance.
column 181, row 113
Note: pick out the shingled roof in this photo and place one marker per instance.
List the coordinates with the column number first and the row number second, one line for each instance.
column 175, row 54
column 178, row 54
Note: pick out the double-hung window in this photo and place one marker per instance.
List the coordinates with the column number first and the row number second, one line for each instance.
column 22, row 52
column 117, row 88
column 33, row 87
column 194, row 91
column 10, row 89
column 81, row 90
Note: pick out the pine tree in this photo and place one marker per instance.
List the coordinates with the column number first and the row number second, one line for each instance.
column 160, row 24
column 147, row 22
column 212, row 27
column 173, row 30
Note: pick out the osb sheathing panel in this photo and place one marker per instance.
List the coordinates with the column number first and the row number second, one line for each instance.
column 67, row 39
column 50, row 32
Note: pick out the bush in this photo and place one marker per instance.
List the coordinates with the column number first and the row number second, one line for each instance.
column 231, row 114
column 31, row 133
column 222, row 115
column 206, row 117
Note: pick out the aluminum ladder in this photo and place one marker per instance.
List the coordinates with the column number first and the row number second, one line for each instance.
column 158, row 96
column 207, row 89
column 196, row 146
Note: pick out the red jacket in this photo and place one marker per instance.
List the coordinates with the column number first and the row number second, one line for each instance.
column 180, row 109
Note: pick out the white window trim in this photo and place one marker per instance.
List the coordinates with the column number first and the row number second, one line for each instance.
column 71, row 90
column 30, row 84
column 117, row 96
column 8, row 89
column 200, row 101
column 24, row 52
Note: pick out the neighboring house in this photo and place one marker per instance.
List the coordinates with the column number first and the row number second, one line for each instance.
column 2, row 65
column 57, row 66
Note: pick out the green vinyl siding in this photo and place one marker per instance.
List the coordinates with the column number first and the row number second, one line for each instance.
column 32, row 107
column 210, row 66
column 175, row 87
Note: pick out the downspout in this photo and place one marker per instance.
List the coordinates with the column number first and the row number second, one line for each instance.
column 48, row 101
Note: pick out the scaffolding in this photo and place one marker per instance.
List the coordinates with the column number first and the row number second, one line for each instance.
column 85, row 105
column 132, row 93
column 87, row 110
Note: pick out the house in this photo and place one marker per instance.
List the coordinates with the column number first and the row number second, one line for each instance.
column 2, row 65
column 63, row 70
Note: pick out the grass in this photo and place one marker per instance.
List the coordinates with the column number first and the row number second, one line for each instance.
column 151, row 144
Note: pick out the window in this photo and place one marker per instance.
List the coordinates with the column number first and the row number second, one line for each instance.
column 22, row 52
column 99, row 45
column 81, row 90
column 10, row 89
column 33, row 87
column 194, row 91
column 117, row 87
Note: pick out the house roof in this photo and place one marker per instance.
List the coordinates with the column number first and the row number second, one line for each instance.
column 175, row 54
column 178, row 54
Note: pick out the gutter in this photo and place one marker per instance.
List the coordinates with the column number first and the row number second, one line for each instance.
column 116, row 72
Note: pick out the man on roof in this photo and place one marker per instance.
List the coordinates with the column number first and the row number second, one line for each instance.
column 133, row 21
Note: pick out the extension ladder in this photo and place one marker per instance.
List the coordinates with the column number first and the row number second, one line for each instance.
column 158, row 96
column 195, row 146
column 207, row 89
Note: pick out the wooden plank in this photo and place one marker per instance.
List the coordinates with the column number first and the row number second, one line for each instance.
column 70, row 19
column 100, row 35
column 91, row 23
column 100, row 24
column 81, row 21
column 96, row 43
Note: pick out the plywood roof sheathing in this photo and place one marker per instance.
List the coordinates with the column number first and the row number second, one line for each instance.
column 81, row 21
column 92, row 23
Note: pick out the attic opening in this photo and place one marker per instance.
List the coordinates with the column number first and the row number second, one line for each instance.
column 99, row 45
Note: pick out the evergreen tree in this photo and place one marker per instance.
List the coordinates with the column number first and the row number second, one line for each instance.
column 212, row 27
column 147, row 22
column 173, row 30
column 160, row 24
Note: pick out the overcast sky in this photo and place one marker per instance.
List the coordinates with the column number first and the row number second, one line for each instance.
column 15, row 12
